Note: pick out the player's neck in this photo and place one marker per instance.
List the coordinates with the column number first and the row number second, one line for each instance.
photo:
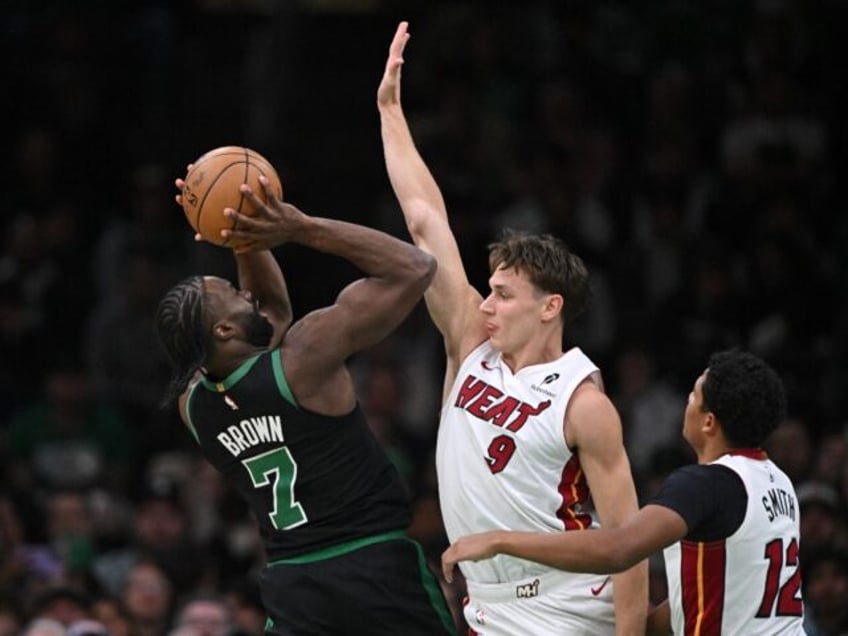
column 712, row 450
column 537, row 351
column 220, row 364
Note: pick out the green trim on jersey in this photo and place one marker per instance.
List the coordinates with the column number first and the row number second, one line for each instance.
column 431, row 585
column 233, row 378
column 188, row 422
column 342, row 548
column 280, row 377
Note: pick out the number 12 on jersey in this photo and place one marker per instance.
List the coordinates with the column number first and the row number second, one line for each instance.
column 786, row 595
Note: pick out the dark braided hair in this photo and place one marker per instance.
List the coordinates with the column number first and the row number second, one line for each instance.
column 180, row 320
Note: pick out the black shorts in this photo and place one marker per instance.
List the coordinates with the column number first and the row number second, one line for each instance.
column 381, row 587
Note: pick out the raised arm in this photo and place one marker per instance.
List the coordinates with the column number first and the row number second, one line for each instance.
column 261, row 275
column 365, row 312
column 452, row 302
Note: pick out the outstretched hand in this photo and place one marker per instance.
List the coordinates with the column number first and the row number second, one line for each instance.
column 274, row 222
column 474, row 547
column 388, row 92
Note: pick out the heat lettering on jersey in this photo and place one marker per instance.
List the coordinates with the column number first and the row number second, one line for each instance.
column 489, row 403
column 251, row 432
column 778, row 502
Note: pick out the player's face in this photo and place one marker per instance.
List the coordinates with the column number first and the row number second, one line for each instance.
column 512, row 310
column 694, row 415
column 258, row 330
column 241, row 308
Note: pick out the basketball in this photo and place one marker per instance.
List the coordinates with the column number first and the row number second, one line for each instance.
column 212, row 184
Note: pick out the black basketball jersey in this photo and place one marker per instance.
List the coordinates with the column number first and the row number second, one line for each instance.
column 311, row 480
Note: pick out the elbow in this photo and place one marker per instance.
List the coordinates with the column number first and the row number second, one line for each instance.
column 419, row 271
column 419, row 214
column 426, row 269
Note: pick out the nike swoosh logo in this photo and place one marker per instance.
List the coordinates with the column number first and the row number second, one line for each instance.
column 597, row 590
column 485, row 365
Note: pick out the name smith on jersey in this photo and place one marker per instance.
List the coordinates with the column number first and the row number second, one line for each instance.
column 778, row 502
column 250, row 432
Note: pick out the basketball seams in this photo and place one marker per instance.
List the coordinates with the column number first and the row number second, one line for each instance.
column 201, row 206
column 217, row 186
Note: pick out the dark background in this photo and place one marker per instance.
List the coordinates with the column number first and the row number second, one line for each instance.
column 693, row 153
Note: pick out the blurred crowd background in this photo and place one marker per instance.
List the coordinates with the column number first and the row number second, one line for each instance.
column 693, row 153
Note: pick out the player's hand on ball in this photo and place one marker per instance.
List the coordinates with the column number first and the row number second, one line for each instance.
column 180, row 184
column 273, row 223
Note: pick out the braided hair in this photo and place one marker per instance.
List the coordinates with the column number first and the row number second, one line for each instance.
column 180, row 320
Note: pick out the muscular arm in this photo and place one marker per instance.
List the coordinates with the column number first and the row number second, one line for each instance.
column 594, row 428
column 451, row 300
column 365, row 312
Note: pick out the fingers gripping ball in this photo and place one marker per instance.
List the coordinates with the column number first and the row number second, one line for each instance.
column 213, row 183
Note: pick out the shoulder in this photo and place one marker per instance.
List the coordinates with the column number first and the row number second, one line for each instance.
column 715, row 477
column 711, row 498
column 591, row 417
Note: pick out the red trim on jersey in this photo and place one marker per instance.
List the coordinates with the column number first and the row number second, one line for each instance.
column 574, row 490
column 750, row 453
column 702, row 569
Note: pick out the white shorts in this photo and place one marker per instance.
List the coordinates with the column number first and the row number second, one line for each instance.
column 555, row 603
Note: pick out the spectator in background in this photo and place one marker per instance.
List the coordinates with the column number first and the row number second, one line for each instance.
column 822, row 522
column 44, row 627
column 148, row 596
column 67, row 436
column 825, row 592
column 831, row 456
column 126, row 362
column 383, row 395
column 160, row 533
column 148, row 226
column 110, row 612
column 204, row 615
column 245, row 602
column 61, row 603
column 791, row 448
column 11, row 619
column 87, row 627
column 70, row 533
column 649, row 407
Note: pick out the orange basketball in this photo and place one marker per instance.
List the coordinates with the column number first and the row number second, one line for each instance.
column 213, row 183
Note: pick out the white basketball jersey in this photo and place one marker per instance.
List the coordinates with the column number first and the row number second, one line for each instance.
column 501, row 456
column 750, row 583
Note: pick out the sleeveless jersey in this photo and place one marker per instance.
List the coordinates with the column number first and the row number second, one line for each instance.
column 749, row 583
column 311, row 480
column 501, row 455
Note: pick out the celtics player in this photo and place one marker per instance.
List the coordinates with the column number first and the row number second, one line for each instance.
column 729, row 526
column 272, row 406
